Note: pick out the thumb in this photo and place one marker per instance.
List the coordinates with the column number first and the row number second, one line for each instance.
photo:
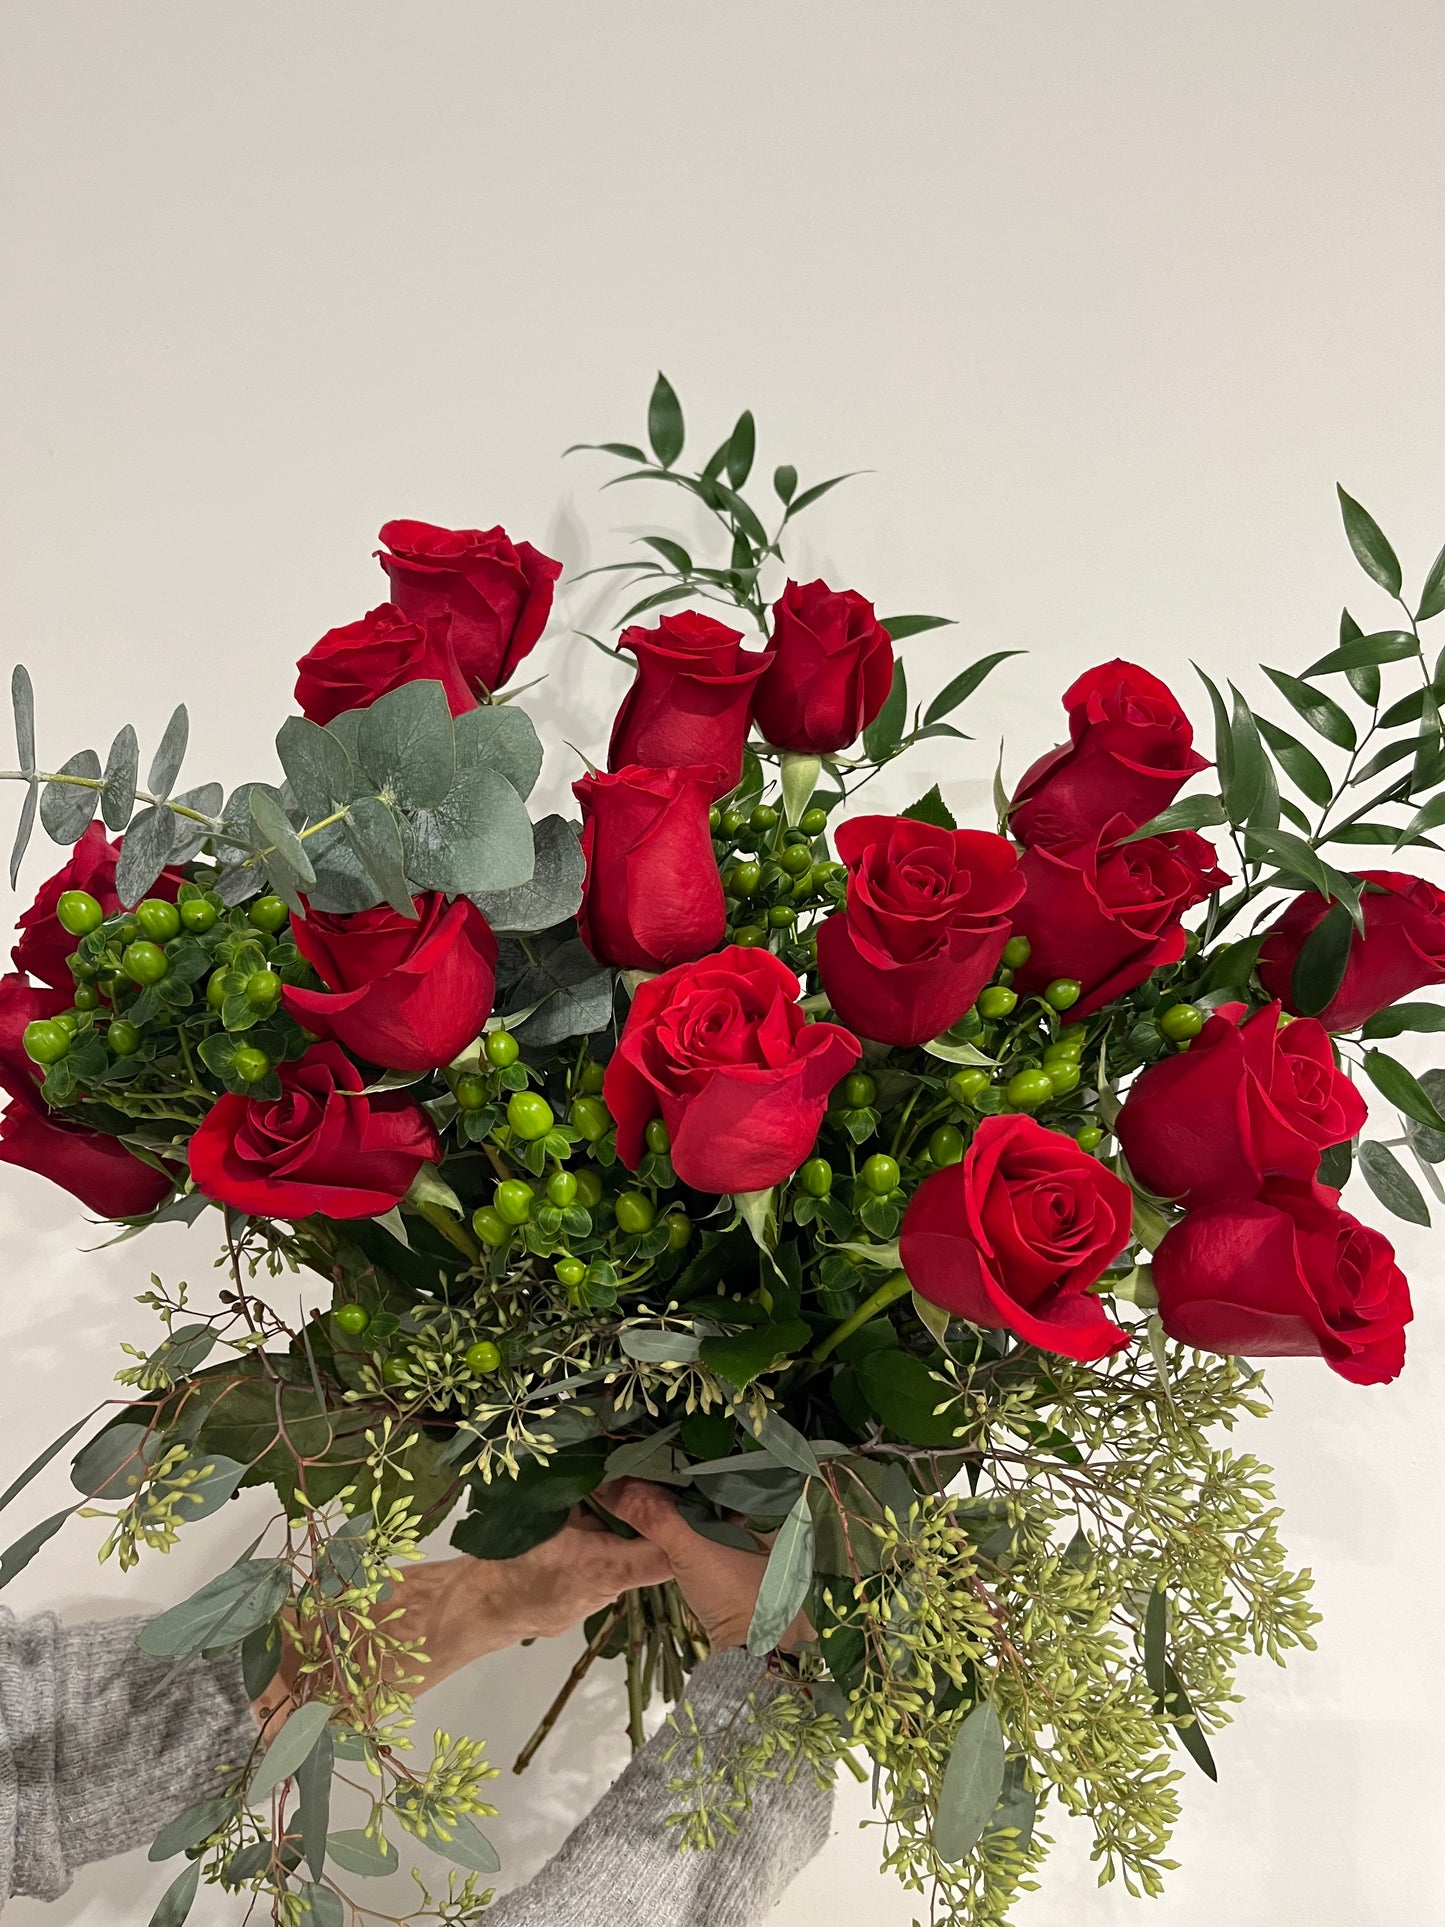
column 650, row 1510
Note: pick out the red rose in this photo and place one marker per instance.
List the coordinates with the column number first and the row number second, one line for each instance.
column 723, row 1051
column 320, row 1147
column 498, row 593
column 1130, row 753
column 653, row 896
column 1239, row 1106
column 409, row 993
column 351, row 666
column 44, row 944
column 692, row 700
column 94, row 1167
column 924, row 926
column 1107, row 914
column 1403, row 948
column 1288, row 1275
column 831, row 670
column 1016, row 1234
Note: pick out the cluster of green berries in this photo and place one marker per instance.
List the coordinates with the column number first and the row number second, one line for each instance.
column 766, row 891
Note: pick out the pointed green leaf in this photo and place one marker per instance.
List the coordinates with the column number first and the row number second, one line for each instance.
column 901, row 627
column 885, row 732
column 972, row 1782
column 1319, row 969
column 931, row 808
column 1301, row 765
column 1176, row 1703
column 963, row 685
column 1156, row 1637
column 313, row 1787
column 1192, row 813
column 664, row 422
column 741, row 447
column 1323, row 715
column 289, row 1750
column 787, row 1445
column 1244, row 788
column 1367, row 539
column 37, row 1465
column 1402, row 1088
column 1392, row 1184
column 1388, row 645
column 785, row 483
column 1390, row 1023
column 625, row 451
column 672, row 552
column 786, row 1578
column 362, row 1853
column 17, row 1557
column 1432, row 596
column 190, row 1828
column 176, row 1901
column 816, row 492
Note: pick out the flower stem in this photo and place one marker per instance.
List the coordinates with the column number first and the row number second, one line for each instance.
column 888, row 1293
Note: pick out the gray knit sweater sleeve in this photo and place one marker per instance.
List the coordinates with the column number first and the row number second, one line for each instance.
column 621, row 1866
column 93, row 1760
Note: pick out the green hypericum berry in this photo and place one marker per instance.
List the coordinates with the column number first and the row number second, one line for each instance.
column 501, row 1048
column 68, row 1020
column 218, row 988
column 263, row 989
column 490, row 1226
column 762, row 816
column 591, row 1080
column 635, row 1213
column 590, row 1118
column 513, row 1201
column 470, row 1091
column 353, row 1319
column 159, row 920
column 268, row 914
column 733, row 820
column 87, row 997
column 1067, row 1049
column 1016, row 953
column 250, row 1065
column 1063, row 1076
column 966, row 1085
column 123, row 1037
column 796, row 859
column 570, row 1272
column 1063, row 993
column 45, row 1041
column 198, row 915
column 997, row 1001
column 859, row 1090
column 394, row 1371
column 529, row 1114
column 1181, row 1022
column 946, row 1145
column 78, row 912
column 679, row 1230
column 1088, row 1137
column 589, row 1190
column 752, row 936
column 144, row 962
column 814, row 821
column 714, row 823
column 742, row 879
column 782, row 916
column 482, row 1357
column 880, row 1173
column 657, row 1135
column 816, row 1177
column 1029, row 1089
column 562, row 1188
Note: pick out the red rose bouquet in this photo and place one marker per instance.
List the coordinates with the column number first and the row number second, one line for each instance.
column 920, row 1196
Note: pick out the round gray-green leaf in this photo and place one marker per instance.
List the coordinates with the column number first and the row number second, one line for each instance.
column 67, row 808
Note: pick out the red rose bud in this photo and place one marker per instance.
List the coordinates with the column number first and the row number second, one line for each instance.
column 723, row 1052
column 1242, row 1105
column 1106, row 913
column 406, row 993
column 321, row 1147
column 1403, row 948
column 653, row 896
column 831, row 670
column 692, row 700
column 1287, row 1275
column 497, row 593
column 1130, row 753
column 44, row 943
column 1016, row 1234
column 95, row 1168
column 351, row 666
column 924, row 926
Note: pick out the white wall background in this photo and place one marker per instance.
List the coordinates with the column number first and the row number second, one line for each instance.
column 1106, row 296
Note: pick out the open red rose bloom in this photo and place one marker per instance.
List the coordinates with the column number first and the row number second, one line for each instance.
column 922, row 1193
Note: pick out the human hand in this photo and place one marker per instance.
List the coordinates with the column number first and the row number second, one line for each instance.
column 719, row 1583
column 464, row 1608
